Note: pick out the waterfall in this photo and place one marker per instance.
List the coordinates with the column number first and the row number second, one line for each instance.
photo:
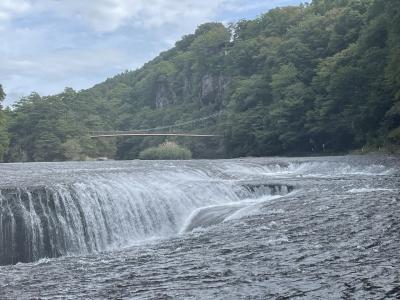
column 70, row 211
column 103, row 212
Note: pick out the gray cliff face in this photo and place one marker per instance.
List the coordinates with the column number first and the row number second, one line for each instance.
column 207, row 85
column 162, row 97
column 187, row 88
column 213, row 88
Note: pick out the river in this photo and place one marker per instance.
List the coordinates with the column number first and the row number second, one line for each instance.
column 254, row 228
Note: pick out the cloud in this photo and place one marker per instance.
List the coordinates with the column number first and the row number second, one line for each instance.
column 243, row 6
column 49, row 44
column 51, row 72
column 12, row 8
column 109, row 15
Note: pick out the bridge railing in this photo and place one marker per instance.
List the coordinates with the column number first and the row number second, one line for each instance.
column 158, row 131
column 121, row 134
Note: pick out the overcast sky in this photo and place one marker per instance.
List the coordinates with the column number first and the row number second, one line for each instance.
column 47, row 45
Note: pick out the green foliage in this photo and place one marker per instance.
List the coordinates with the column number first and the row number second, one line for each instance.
column 320, row 77
column 56, row 128
column 166, row 151
column 72, row 150
column 4, row 138
column 2, row 94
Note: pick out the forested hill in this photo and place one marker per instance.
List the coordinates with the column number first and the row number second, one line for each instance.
column 318, row 78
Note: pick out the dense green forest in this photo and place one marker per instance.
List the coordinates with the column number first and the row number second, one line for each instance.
column 318, row 78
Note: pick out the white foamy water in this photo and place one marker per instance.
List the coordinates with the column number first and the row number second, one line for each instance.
column 104, row 212
column 92, row 207
column 308, row 169
column 267, row 228
column 370, row 190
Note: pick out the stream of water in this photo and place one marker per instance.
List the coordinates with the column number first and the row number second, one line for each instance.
column 257, row 228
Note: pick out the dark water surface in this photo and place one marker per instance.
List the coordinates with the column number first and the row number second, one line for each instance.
column 267, row 228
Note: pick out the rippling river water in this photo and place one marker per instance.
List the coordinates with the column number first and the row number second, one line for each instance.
column 265, row 228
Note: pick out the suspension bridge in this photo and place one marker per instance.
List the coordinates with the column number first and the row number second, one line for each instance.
column 158, row 131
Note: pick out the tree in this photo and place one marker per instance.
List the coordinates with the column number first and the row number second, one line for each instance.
column 4, row 139
column 2, row 94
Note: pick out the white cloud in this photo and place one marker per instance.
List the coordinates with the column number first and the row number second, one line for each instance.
column 50, row 73
column 109, row 15
column 12, row 8
column 242, row 6
column 49, row 44
column 101, row 15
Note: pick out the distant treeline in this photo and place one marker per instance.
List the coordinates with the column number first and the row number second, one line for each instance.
column 317, row 78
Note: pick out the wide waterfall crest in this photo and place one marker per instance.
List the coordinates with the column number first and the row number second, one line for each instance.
column 103, row 212
column 89, row 207
column 313, row 168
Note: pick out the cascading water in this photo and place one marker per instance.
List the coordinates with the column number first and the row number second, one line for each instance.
column 102, row 212
column 74, row 211
column 262, row 228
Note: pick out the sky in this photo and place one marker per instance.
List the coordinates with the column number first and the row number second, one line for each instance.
column 47, row 45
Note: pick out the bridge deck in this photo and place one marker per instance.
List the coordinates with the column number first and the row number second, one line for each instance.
column 152, row 134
